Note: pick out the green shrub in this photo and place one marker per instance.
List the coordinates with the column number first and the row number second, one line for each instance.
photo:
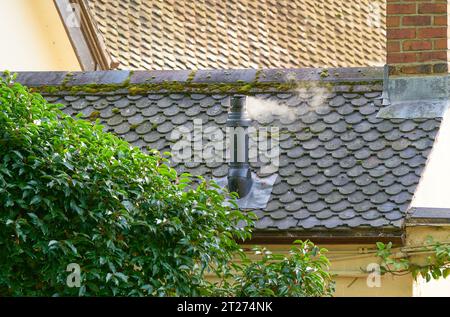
column 71, row 193
column 300, row 273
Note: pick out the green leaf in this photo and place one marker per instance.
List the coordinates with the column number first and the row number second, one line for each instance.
column 71, row 246
column 148, row 288
column 446, row 272
column 36, row 200
column 128, row 205
column 52, row 243
column 68, row 165
column 121, row 276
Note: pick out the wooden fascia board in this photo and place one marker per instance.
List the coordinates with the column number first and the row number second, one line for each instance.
column 84, row 36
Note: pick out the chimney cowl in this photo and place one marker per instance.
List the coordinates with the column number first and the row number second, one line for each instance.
column 238, row 115
column 239, row 174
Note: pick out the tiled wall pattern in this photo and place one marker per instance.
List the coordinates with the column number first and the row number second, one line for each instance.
column 208, row 34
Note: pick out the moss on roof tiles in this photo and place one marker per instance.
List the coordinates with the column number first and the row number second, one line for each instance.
column 189, row 87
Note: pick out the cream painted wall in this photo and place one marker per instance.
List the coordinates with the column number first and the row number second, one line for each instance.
column 347, row 263
column 417, row 236
column 33, row 37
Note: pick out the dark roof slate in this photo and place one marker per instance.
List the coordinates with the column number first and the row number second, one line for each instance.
column 340, row 165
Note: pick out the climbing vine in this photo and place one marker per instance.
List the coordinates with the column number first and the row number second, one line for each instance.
column 436, row 262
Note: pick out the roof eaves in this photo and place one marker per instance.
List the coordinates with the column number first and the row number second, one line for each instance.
column 84, row 36
column 345, row 235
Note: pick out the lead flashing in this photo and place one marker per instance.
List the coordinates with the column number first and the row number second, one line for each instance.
column 416, row 97
column 427, row 216
column 259, row 194
column 417, row 109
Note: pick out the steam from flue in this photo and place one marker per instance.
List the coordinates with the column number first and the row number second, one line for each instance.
column 262, row 109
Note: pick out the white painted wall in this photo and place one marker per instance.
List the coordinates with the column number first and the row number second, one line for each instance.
column 433, row 189
column 434, row 288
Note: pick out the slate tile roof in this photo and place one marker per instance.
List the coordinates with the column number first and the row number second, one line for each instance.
column 204, row 34
column 340, row 165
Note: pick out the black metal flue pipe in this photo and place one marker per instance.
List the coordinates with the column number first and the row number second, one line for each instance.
column 239, row 174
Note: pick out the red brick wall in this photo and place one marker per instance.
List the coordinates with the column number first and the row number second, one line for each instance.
column 417, row 36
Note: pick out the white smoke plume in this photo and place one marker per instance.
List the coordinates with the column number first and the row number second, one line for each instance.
column 263, row 109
